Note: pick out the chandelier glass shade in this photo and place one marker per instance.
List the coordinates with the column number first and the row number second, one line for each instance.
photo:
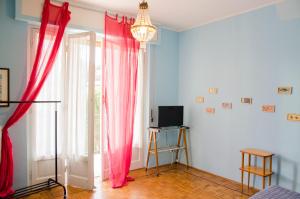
column 142, row 29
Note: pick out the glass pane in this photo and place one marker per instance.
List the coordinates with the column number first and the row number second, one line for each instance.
column 77, row 96
column 98, row 95
column 42, row 115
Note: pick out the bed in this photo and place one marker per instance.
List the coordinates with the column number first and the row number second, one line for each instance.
column 276, row 192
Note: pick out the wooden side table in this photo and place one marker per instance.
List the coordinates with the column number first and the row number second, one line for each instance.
column 153, row 140
column 260, row 171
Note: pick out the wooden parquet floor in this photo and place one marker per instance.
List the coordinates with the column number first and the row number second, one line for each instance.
column 173, row 183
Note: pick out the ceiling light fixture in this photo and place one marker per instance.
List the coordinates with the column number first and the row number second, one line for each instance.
column 143, row 30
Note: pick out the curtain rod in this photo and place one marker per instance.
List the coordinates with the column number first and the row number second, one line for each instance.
column 103, row 10
column 94, row 8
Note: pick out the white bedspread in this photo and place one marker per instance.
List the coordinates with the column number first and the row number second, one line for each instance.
column 276, row 192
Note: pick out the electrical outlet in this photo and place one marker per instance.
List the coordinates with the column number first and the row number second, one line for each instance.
column 293, row 117
column 199, row 99
column 268, row 108
column 213, row 90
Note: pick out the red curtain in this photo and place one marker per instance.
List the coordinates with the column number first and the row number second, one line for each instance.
column 120, row 66
column 54, row 21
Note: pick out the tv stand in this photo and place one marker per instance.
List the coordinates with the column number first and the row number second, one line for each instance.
column 153, row 131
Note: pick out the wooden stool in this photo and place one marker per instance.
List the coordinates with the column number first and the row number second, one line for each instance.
column 153, row 139
column 263, row 172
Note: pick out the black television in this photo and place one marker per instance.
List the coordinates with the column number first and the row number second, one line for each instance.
column 170, row 116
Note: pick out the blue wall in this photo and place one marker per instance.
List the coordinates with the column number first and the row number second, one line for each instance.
column 13, row 42
column 244, row 56
column 163, row 68
column 248, row 55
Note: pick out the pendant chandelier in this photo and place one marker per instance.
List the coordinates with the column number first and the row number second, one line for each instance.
column 143, row 30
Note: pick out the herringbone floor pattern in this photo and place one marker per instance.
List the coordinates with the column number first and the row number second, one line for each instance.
column 174, row 183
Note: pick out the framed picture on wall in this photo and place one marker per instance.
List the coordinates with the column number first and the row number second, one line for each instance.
column 287, row 90
column 4, row 87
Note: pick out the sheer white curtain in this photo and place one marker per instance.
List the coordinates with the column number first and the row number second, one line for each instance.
column 139, row 109
column 68, row 83
column 77, row 95
column 71, row 81
column 41, row 116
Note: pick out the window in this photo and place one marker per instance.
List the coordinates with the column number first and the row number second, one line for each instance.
column 98, row 95
column 42, row 115
column 75, row 80
column 72, row 80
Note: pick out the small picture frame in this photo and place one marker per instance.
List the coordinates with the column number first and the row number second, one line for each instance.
column 285, row 90
column 199, row 99
column 246, row 100
column 213, row 91
column 268, row 108
column 227, row 105
column 4, row 87
column 210, row 110
column 293, row 117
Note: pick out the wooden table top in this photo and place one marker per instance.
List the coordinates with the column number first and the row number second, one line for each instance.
column 257, row 152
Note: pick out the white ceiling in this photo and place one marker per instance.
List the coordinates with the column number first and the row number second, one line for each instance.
column 181, row 15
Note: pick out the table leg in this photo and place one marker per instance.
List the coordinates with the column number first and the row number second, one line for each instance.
column 270, row 177
column 264, row 172
column 178, row 144
column 242, row 171
column 185, row 148
column 149, row 149
column 249, row 164
column 156, row 154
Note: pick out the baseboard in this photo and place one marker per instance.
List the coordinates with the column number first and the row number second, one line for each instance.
column 153, row 167
column 166, row 167
column 195, row 168
column 209, row 173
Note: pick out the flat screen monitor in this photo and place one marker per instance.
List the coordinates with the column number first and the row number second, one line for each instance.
column 170, row 116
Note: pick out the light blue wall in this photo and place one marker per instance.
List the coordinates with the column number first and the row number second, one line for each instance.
column 163, row 68
column 245, row 56
column 13, row 42
column 163, row 58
